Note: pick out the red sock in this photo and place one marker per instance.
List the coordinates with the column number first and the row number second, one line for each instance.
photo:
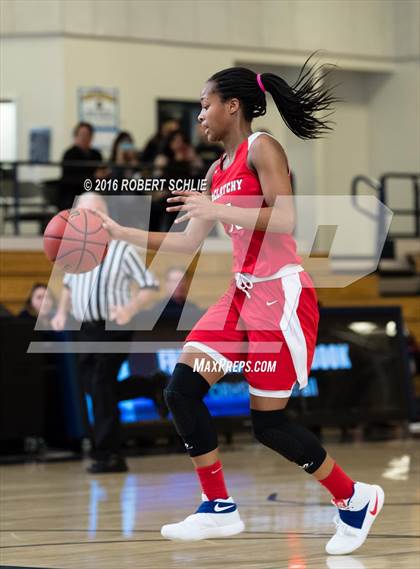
column 212, row 481
column 338, row 483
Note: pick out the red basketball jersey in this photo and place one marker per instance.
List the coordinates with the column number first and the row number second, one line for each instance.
column 259, row 253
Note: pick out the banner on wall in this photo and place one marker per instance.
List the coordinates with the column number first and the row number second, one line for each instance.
column 99, row 106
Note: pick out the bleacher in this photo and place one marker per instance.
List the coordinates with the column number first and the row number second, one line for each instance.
column 21, row 268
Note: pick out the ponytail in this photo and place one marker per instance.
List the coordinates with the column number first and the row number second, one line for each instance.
column 297, row 103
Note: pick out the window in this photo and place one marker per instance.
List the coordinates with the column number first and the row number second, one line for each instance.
column 8, row 135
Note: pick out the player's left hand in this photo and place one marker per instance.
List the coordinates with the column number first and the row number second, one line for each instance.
column 195, row 204
column 121, row 315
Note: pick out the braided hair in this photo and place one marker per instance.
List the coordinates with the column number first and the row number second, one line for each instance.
column 297, row 103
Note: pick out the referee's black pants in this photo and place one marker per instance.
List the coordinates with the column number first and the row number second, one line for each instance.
column 98, row 377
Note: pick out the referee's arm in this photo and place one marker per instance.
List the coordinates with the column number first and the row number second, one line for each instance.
column 59, row 319
column 139, row 300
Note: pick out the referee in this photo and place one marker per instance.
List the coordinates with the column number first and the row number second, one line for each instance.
column 92, row 298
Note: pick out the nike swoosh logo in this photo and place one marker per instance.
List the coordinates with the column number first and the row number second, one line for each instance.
column 375, row 509
column 272, row 302
column 218, row 470
column 219, row 508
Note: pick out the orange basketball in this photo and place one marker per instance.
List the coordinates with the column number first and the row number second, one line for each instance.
column 76, row 240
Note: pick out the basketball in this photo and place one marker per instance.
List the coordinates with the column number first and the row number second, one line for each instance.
column 75, row 240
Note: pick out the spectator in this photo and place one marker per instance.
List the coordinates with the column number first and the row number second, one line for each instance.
column 73, row 176
column 175, row 304
column 123, row 153
column 177, row 160
column 207, row 151
column 178, row 156
column 153, row 146
column 127, row 208
column 40, row 305
column 55, row 403
column 96, row 297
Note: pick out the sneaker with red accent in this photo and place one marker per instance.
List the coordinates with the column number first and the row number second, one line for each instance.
column 355, row 518
column 213, row 519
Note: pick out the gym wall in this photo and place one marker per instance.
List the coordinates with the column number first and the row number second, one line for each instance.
column 166, row 49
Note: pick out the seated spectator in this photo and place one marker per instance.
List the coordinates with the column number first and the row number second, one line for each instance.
column 123, row 153
column 169, row 309
column 207, row 151
column 56, row 393
column 153, row 146
column 177, row 160
column 127, row 209
column 72, row 179
column 40, row 306
column 178, row 157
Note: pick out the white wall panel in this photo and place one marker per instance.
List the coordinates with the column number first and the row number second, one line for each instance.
column 78, row 16
column 145, row 19
column 36, row 16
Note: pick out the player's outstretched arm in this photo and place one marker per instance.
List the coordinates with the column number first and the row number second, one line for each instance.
column 187, row 241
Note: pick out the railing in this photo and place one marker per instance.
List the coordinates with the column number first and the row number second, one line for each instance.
column 382, row 190
column 14, row 192
column 377, row 217
column 371, row 183
column 413, row 212
column 18, row 191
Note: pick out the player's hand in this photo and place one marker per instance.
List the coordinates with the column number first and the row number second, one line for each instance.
column 121, row 315
column 58, row 321
column 115, row 230
column 195, row 204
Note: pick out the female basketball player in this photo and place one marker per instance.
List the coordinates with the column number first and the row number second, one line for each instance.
column 269, row 312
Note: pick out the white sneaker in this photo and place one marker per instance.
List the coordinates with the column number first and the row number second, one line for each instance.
column 355, row 518
column 214, row 518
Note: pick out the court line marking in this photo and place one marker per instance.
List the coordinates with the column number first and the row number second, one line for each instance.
column 273, row 498
column 268, row 532
column 245, row 537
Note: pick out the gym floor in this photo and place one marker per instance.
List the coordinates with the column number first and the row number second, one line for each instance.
column 57, row 516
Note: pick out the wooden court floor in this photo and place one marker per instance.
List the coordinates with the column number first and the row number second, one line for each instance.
column 57, row 516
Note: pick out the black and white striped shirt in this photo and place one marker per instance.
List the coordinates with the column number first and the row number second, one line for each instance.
column 92, row 293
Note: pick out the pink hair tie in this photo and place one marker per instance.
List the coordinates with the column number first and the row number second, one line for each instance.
column 260, row 83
